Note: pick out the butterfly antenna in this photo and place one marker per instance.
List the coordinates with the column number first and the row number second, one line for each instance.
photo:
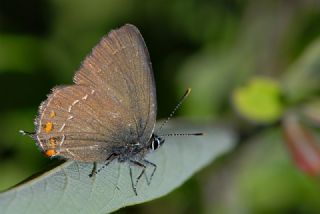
column 182, row 134
column 31, row 134
column 182, row 99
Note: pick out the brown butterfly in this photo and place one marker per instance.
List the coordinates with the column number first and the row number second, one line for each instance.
column 110, row 111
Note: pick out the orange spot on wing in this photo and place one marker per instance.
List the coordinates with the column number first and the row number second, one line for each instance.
column 50, row 152
column 48, row 127
column 52, row 114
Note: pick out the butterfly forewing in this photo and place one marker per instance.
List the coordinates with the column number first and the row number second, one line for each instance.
column 120, row 66
column 112, row 103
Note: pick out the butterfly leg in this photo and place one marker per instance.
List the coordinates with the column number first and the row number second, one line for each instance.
column 134, row 185
column 94, row 169
column 154, row 170
column 147, row 179
column 108, row 161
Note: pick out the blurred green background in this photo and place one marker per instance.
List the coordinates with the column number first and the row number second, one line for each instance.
column 248, row 63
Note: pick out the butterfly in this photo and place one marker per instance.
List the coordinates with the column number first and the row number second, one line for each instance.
column 109, row 112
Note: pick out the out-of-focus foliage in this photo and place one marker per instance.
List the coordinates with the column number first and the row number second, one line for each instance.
column 214, row 47
column 259, row 101
column 302, row 79
column 302, row 143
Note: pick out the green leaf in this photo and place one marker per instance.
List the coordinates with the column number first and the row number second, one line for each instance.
column 259, row 101
column 68, row 188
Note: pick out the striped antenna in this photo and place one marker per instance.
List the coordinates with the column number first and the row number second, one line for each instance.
column 181, row 134
column 182, row 99
column 27, row 133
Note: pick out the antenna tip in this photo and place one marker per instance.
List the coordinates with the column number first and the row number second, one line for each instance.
column 199, row 134
column 22, row 132
column 27, row 133
column 187, row 92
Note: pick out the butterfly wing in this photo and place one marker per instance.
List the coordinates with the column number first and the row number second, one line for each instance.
column 120, row 67
column 112, row 103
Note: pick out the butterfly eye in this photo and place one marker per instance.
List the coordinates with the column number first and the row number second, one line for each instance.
column 156, row 143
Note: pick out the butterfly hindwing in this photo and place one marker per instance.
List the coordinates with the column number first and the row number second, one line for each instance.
column 112, row 103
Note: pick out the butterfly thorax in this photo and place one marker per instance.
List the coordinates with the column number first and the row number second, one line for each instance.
column 136, row 150
column 130, row 152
